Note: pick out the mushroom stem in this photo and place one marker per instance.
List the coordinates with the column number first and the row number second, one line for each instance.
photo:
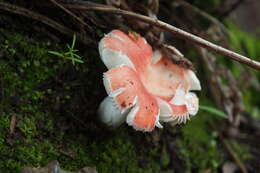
column 110, row 114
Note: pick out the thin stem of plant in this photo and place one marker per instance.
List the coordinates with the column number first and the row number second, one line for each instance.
column 230, row 151
column 41, row 18
column 84, row 5
column 70, row 13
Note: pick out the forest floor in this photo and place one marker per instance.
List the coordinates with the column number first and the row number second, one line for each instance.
column 48, row 112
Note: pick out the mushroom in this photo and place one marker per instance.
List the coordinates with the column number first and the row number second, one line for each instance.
column 143, row 86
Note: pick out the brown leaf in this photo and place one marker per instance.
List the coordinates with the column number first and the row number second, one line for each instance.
column 54, row 167
column 13, row 124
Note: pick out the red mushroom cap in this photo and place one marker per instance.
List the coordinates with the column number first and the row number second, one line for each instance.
column 146, row 83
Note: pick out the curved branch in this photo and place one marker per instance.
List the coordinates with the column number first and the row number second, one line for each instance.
column 84, row 5
column 33, row 15
column 70, row 13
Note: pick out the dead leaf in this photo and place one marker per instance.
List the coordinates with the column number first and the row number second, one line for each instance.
column 54, row 167
column 13, row 124
column 229, row 168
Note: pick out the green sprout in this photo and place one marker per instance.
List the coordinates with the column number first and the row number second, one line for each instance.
column 70, row 54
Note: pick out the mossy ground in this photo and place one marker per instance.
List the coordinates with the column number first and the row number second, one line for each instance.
column 53, row 120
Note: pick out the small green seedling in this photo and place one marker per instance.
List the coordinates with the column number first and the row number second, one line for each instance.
column 70, row 54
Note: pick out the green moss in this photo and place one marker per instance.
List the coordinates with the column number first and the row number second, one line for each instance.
column 28, row 127
column 115, row 154
column 26, row 152
column 241, row 150
column 198, row 144
column 24, row 64
column 4, row 123
column 165, row 158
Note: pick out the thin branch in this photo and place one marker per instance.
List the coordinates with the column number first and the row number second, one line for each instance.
column 241, row 166
column 202, row 13
column 84, row 5
column 230, row 150
column 70, row 13
column 233, row 155
column 232, row 8
column 41, row 18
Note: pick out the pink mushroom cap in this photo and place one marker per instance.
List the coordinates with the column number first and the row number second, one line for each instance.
column 145, row 86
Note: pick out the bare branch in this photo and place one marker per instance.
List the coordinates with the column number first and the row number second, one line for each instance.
column 33, row 15
column 84, row 5
column 71, row 14
column 230, row 151
column 232, row 8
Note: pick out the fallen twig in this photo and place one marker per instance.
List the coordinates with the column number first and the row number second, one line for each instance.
column 227, row 96
column 41, row 18
column 230, row 151
column 84, row 5
column 201, row 13
column 71, row 14
column 232, row 8
column 13, row 124
column 241, row 166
